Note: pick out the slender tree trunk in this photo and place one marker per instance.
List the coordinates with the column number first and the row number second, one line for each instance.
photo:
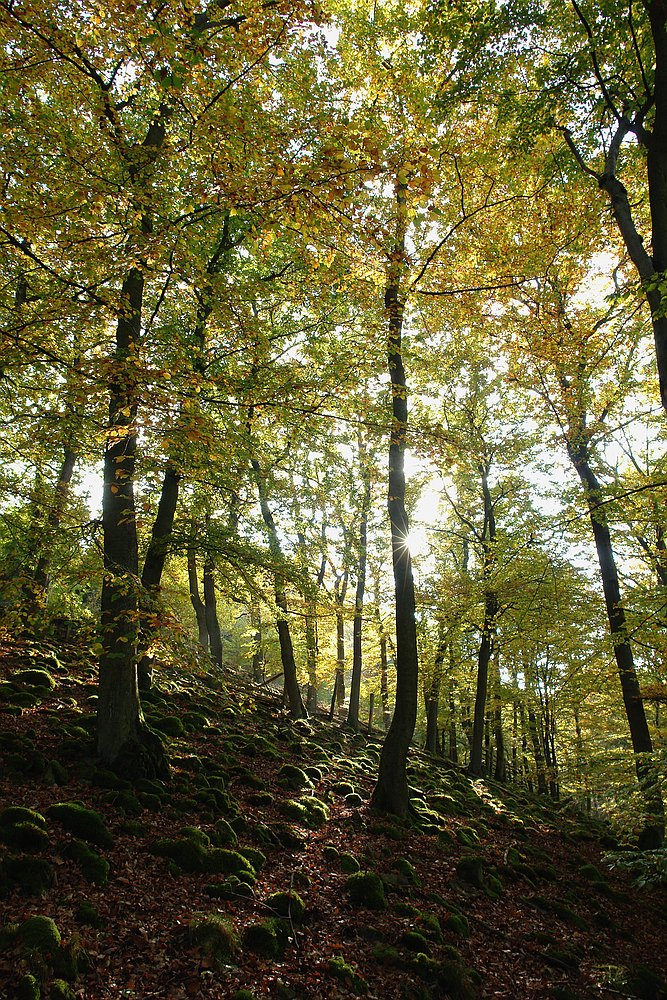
column 653, row 833
column 340, row 589
column 432, row 695
column 211, row 612
column 538, row 753
column 476, row 767
column 357, row 624
column 500, row 770
column 384, row 683
column 391, row 793
column 452, row 749
column 258, row 661
column 292, row 690
column 119, row 713
column 54, row 518
column 195, row 599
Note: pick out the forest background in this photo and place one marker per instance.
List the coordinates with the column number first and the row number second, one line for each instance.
column 253, row 253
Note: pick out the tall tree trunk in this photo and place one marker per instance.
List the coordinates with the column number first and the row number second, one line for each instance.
column 119, row 714
column 258, row 661
column 340, row 589
column 121, row 735
column 292, row 690
column 384, row 682
column 452, row 747
column 154, row 563
column 432, row 697
column 391, row 793
column 357, row 624
column 500, row 771
column 653, row 834
column 211, row 612
column 56, row 510
column 195, row 598
column 538, row 753
column 476, row 766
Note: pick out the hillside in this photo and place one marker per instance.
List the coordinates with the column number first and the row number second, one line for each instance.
column 168, row 889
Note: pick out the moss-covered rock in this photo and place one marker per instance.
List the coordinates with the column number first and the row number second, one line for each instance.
column 28, row 988
column 82, row 822
column 87, row 915
column 32, row 876
column 168, row 725
column 293, row 777
column 457, row 923
column 24, row 836
column 40, row 934
column 93, row 866
column 267, row 937
column 214, row 935
column 470, row 869
column 348, row 864
column 414, row 941
column 366, row 889
column 256, row 857
column 288, row 905
column 347, row 974
column 61, row 990
column 40, row 679
column 11, row 815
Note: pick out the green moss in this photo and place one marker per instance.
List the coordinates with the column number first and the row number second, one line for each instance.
column 293, row 777
column 230, row 863
column 331, row 854
column 25, row 836
column 366, row 889
column 346, row 973
column 407, row 871
column 467, row 836
column 288, row 837
column 646, row 983
column 342, row 788
column 386, row 954
column 187, row 854
column 348, row 864
column 414, row 941
column 429, row 925
column 256, row 858
column 288, row 905
column 458, row 924
column 243, row 995
column 294, row 810
column 195, row 835
column 168, row 725
column 40, row 934
column 86, row 914
column 82, row 822
column 28, row 988
column 94, row 867
column 470, row 869
column 32, row 876
column 353, row 800
column 71, row 960
column 60, row 990
column 559, row 909
column 11, row 815
column 231, row 888
column 266, row 937
column 260, row 799
column 215, row 935
column 40, row 679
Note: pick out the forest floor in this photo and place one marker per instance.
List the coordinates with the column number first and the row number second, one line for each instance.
column 482, row 893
